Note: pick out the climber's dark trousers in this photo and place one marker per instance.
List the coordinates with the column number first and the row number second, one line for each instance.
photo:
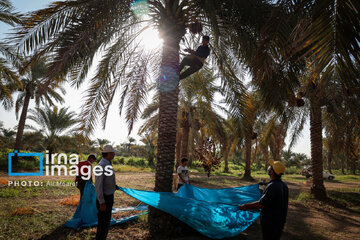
column 194, row 66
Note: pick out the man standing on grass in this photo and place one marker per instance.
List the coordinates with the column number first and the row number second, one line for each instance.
column 183, row 173
column 105, row 186
column 84, row 168
column 274, row 203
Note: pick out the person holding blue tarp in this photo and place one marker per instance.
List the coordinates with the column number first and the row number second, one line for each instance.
column 105, row 186
column 274, row 203
column 183, row 173
column 84, row 168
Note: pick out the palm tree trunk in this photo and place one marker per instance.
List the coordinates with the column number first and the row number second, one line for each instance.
column 178, row 149
column 226, row 156
column 21, row 126
column 266, row 156
column 160, row 223
column 191, row 146
column 317, row 188
column 279, row 142
column 185, row 138
column 329, row 158
column 247, row 174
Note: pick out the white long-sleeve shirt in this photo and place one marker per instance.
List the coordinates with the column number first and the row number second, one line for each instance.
column 105, row 184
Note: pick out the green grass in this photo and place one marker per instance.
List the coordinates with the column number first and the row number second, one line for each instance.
column 347, row 196
column 50, row 215
column 127, row 168
column 342, row 196
column 19, row 192
column 304, row 197
column 341, row 177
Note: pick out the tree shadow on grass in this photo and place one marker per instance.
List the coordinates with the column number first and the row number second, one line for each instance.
column 58, row 233
column 296, row 227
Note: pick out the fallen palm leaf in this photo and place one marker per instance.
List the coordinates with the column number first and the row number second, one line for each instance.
column 73, row 200
column 23, row 211
column 4, row 181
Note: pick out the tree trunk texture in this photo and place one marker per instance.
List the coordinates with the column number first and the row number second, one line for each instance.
column 279, row 142
column 191, row 146
column 185, row 126
column 21, row 126
column 226, row 156
column 178, row 149
column 317, row 188
column 161, row 223
column 329, row 158
column 247, row 174
column 266, row 156
column 351, row 155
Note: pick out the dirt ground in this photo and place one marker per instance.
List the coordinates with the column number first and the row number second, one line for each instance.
column 306, row 219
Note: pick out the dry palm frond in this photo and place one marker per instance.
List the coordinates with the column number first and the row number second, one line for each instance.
column 4, row 181
column 73, row 200
column 24, row 211
column 208, row 156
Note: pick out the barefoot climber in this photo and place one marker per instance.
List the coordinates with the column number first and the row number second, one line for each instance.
column 196, row 59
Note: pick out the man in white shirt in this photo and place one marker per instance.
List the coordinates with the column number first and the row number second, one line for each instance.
column 183, row 173
column 105, row 186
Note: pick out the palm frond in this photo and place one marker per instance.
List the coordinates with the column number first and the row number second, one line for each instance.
column 332, row 40
column 151, row 109
column 7, row 14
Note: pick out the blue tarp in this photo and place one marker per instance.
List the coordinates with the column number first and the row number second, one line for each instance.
column 213, row 212
column 86, row 212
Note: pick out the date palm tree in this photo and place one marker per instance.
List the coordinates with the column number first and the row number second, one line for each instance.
column 32, row 86
column 73, row 32
column 196, row 110
column 7, row 136
column 101, row 142
column 319, row 39
column 55, row 122
column 333, row 59
column 9, row 79
column 149, row 140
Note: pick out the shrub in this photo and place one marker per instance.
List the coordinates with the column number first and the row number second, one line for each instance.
column 28, row 163
column 292, row 170
column 235, row 167
column 131, row 162
column 141, row 163
column 115, row 160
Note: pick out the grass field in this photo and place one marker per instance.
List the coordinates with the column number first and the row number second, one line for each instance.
column 337, row 218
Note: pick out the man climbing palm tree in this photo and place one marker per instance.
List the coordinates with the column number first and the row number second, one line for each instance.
column 196, row 59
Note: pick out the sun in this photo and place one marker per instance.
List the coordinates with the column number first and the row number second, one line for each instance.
column 150, row 39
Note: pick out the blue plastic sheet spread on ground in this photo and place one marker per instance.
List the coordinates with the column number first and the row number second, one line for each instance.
column 86, row 212
column 212, row 212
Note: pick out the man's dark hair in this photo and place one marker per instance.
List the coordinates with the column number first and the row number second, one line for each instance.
column 184, row 160
column 207, row 38
column 104, row 154
column 91, row 156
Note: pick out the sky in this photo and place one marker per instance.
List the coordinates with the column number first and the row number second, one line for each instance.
column 116, row 128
